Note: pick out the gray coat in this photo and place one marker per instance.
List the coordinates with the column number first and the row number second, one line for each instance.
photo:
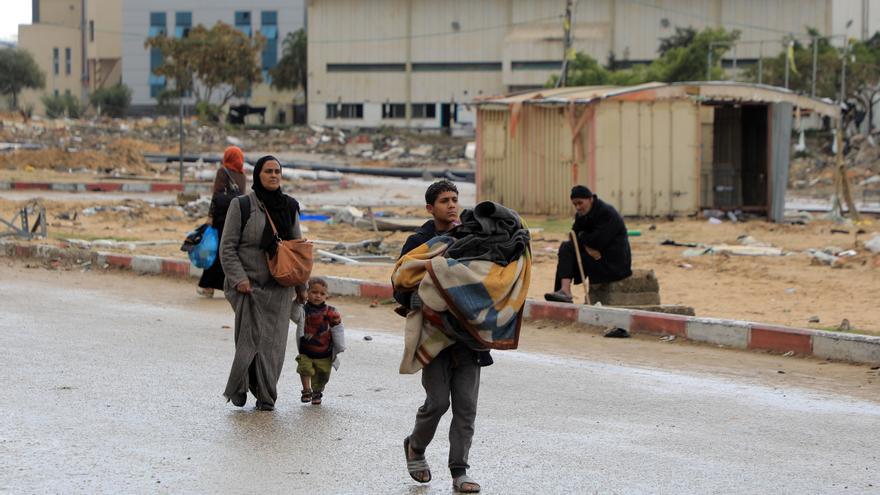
column 261, row 318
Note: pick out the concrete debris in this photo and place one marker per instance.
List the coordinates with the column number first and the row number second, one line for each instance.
column 797, row 217
column 198, row 208
column 422, row 151
column 470, row 150
column 873, row 245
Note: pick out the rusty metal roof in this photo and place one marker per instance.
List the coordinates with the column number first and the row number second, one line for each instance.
column 708, row 92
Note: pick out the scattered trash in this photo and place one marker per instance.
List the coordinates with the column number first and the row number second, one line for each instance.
column 368, row 338
column 797, row 217
column 652, row 227
column 670, row 242
column 715, row 221
column 790, row 290
column 667, row 338
column 780, row 371
column 788, row 354
column 616, row 333
column 813, row 319
column 686, row 266
column 839, row 231
column 844, row 326
column 821, row 258
column 746, row 250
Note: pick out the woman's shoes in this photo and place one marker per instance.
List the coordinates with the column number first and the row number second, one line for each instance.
column 207, row 293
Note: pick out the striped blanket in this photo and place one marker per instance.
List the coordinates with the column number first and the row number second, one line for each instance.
column 476, row 302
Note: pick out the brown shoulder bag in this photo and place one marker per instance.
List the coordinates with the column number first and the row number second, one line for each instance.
column 292, row 264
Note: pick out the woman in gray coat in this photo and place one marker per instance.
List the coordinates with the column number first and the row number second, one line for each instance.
column 261, row 305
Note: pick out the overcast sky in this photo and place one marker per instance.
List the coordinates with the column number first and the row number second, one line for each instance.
column 15, row 12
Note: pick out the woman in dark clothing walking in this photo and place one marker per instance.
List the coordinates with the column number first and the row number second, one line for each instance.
column 261, row 305
column 229, row 182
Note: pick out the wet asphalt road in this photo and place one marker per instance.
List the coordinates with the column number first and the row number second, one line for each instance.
column 109, row 393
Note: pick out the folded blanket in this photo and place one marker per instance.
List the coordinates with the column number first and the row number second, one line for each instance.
column 475, row 301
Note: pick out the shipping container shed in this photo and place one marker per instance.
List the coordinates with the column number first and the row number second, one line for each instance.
column 650, row 150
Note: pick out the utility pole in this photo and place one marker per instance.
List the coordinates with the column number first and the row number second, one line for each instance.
column 566, row 45
column 815, row 61
column 865, row 17
column 787, row 61
column 180, row 127
column 760, row 62
column 841, row 181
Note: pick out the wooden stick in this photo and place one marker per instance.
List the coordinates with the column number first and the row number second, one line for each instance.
column 577, row 253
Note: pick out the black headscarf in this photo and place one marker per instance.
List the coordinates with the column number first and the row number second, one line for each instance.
column 280, row 207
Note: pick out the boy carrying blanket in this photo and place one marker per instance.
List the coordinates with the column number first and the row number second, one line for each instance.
column 466, row 289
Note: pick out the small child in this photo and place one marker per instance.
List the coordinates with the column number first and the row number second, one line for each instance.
column 320, row 337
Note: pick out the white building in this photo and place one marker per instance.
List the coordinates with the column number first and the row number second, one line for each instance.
column 418, row 62
column 274, row 19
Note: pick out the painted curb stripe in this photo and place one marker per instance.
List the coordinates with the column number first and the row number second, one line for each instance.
column 781, row 339
column 827, row 345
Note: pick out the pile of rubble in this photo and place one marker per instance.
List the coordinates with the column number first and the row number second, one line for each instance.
column 816, row 172
column 161, row 135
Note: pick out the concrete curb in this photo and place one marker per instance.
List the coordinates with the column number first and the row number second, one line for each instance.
column 132, row 187
column 853, row 348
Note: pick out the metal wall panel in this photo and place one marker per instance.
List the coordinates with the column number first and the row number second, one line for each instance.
column 608, row 139
column 646, row 170
column 662, row 157
column 628, row 162
column 780, row 149
column 707, row 123
column 685, row 155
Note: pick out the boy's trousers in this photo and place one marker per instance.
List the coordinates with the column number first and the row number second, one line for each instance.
column 454, row 374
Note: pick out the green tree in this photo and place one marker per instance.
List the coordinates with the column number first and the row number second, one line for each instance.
column 291, row 71
column 63, row 105
column 113, row 101
column 19, row 71
column 862, row 71
column 215, row 64
column 683, row 58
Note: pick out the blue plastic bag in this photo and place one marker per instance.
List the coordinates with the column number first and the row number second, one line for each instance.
column 205, row 252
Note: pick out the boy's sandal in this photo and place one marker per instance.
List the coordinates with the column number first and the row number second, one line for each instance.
column 306, row 396
column 415, row 465
column 316, row 398
column 458, row 484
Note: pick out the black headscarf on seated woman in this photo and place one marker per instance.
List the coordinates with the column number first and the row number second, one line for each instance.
column 279, row 206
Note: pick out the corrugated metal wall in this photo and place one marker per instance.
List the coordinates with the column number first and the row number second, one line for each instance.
column 780, row 149
column 646, row 157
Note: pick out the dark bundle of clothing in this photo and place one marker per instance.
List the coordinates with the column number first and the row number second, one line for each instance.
column 489, row 232
column 193, row 239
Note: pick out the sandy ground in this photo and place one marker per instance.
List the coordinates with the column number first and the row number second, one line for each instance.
column 786, row 290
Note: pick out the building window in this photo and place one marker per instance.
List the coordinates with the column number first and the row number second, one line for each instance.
column 456, row 67
column 182, row 24
column 394, row 111
column 92, row 31
column 243, row 22
column 67, row 61
column 345, row 111
column 366, row 67
column 56, row 61
column 269, row 30
column 536, row 65
column 424, row 110
column 158, row 27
